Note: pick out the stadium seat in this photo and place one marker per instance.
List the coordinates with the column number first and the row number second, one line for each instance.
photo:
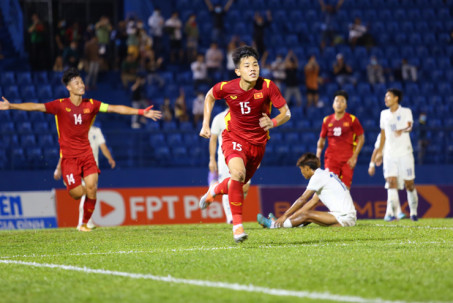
column 174, row 139
column 11, row 92
column 28, row 92
column 24, row 78
column 59, row 91
column 7, row 127
column 303, row 124
column 19, row 116
column 157, row 140
column 51, row 153
column 35, row 156
column 363, row 89
column 24, row 127
column 7, row 78
column 41, row 127
column 27, row 140
column 36, row 116
column 18, row 157
column 44, row 92
column 45, row 140
column 40, row 77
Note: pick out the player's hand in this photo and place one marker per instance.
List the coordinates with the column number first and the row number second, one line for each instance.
column 213, row 166
column 205, row 132
column 152, row 114
column 57, row 174
column 5, row 104
column 266, row 122
column 112, row 163
column 352, row 161
column 280, row 221
column 398, row 133
column 371, row 170
column 378, row 159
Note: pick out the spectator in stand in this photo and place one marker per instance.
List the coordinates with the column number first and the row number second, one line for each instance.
column 192, row 37
column 292, row 81
column 60, row 37
column 152, row 66
column 328, row 27
column 214, row 59
column 218, row 12
column 358, row 34
column 71, row 56
column 174, row 27
column 198, row 107
column 58, row 65
column 145, row 42
column 278, row 71
column 37, row 45
column 129, row 70
column 103, row 29
column 265, row 68
column 259, row 25
column 343, row 72
column 374, row 71
column 408, row 71
column 156, row 29
column 180, row 107
column 73, row 33
column 312, row 81
column 423, row 140
column 120, row 37
column 199, row 72
column 138, row 99
column 167, row 111
column 232, row 45
column 92, row 60
column 133, row 42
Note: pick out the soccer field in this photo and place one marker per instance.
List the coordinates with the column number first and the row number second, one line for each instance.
column 372, row 262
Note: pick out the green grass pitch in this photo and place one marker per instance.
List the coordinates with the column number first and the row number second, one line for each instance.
column 375, row 261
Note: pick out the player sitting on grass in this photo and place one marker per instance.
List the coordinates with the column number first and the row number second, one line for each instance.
column 324, row 186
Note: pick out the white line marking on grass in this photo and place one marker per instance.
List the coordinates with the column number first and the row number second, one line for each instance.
column 406, row 226
column 231, row 286
column 276, row 246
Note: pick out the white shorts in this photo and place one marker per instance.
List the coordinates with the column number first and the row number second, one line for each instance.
column 345, row 219
column 400, row 167
column 224, row 171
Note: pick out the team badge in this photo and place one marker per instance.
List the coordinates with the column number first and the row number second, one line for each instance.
column 233, row 97
column 330, row 124
column 258, row 96
column 346, row 124
column 86, row 110
column 68, row 109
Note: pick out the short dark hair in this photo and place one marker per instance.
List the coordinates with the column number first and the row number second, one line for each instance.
column 341, row 93
column 310, row 160
column 244, row 52
column 397, row 93
column 70, row 74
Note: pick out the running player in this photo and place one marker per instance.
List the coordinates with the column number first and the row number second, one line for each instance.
column 74, row 116
column 396, row 124
column 249, row 98
column 345, row 140
column 324, row 186
column 97, row 141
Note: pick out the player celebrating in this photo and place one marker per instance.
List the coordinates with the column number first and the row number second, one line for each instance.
column 97, row 141
column 328, row 188
column 396, row 147
column 345, row 140
column 74, row 116
column 247, row 128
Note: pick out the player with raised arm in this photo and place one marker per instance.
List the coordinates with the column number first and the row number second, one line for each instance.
column 97, row 141
column 345, row 138
column 74, row 116
column 396, row 147
column 250, row 99
column 323, row 186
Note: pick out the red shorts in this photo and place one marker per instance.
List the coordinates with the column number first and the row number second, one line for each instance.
column 249, row 153
column 73, row 169
column 341, row 169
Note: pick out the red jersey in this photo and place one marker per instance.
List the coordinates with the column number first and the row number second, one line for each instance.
column 247, row 107
column 341, row 135
column 73, row 123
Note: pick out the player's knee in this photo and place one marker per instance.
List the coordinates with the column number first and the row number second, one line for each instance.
column 238, row 175
column 410, row 186
column 392, row 183
column 92, row 189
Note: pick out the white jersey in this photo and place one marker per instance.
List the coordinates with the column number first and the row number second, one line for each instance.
column 332, row 192
column 96, row 139
column 396, row 146
column 217, row 127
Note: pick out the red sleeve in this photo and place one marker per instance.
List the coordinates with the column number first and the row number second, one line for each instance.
column 52, row 107
column 218, row 90
column 323, row 133
column 275, row 95
column 97, row 106
column 357, row 127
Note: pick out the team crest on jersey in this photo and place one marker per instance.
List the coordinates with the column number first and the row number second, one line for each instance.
column 258, row 95
column 330, row 124
column 86, row 110
column 68, row 109
column 233, row 97
column 345, row 124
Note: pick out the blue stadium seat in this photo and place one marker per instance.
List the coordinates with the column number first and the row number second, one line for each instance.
column 303, row 124
column 170, row 125
column 28, row 92
column 392, row 27
column 11, row 92
column 40, row 77
column 412, row 14
column 428, row 14
column 7, row 78
column 274, row 4
column 427, row 88
column 35, row 156
column 407, row 27
column 27, row 140
column 55, row 78
column 24, row 127
column 24, row 78
column 157, row 140
column 435, row 100
column 45, row 140
column 363, row 89
column 443, row 38
column 44, row 92
column 7, row 127
column 174, row 139
column 429, row 38
column 444, row 88
column 51, row 153
column 292, row 40
column 443, row 62
column 19, row 116
column 292, row 138
column 36, row 116
column 41, row 127
column 191, row 139
column 59, row 91
column 443, row 14
column 18, row 157
column 412, row 89
column 429, row 64
column 276, row 137
column 421, row 26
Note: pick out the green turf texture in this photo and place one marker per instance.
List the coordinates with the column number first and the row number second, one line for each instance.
column 404, row 260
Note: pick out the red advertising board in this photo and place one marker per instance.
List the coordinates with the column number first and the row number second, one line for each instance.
column 143, row 206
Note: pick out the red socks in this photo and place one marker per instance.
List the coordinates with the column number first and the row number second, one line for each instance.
column 222, row 188
column 236, row 198
column 88, row 208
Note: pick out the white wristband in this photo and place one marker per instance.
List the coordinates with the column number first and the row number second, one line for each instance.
column 372, row 164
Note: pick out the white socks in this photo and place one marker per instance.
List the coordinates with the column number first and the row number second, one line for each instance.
column 412, row 199
column 287, row 223
column 393, row 202
column 227, row 209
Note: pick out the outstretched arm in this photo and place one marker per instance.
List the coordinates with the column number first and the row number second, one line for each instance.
column 228, row 5
column 267, row 123
column 38, row 107
column 208, row 106
column 127, row 110
column 300, row 202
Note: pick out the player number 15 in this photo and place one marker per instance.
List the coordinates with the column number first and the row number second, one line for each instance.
column 245, row 108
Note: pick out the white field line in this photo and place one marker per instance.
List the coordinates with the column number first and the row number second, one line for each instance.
column 417, row 227
column 155, row 251
column 203, row 283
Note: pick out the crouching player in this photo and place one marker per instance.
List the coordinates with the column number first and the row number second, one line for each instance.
column 323, row 186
